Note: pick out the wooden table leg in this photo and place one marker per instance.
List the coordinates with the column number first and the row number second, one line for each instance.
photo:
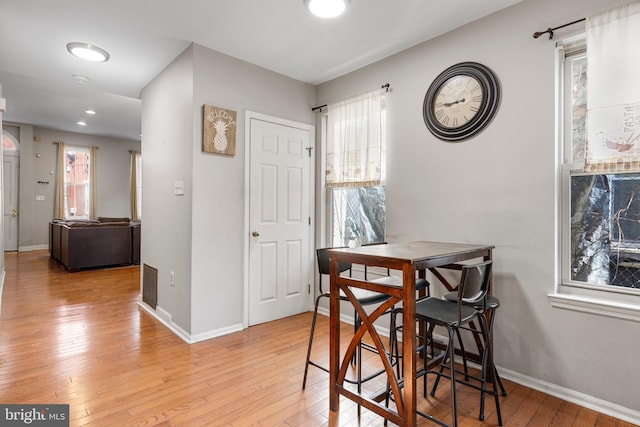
column 334, row 338
column 409, row 344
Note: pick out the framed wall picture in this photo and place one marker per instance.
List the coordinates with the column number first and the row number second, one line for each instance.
column 219, row 130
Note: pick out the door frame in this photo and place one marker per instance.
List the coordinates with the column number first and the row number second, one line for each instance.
column 248, row 116
column 15, row 155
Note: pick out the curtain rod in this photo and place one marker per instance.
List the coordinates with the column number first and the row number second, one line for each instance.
column 385, row 86
column 551, row 30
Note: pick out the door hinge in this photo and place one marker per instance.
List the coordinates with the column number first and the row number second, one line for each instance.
column 309, row 150
column 309, row 288
column 309, row 220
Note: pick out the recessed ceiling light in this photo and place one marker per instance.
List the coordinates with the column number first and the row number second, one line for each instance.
column 90, row 112
column 82, row 124
column 88, row 51
column 326, row 8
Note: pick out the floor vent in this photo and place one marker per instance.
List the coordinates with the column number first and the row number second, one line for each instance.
column 150, row 285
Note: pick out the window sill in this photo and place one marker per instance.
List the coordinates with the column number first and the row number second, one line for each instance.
column 599, row 307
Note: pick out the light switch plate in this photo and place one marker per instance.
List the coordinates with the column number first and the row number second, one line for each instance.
column 178, row 188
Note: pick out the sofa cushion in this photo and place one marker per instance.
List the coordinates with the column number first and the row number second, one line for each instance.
column 82, row 223
column 113, row 219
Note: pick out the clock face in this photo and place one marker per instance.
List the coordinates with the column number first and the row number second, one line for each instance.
column 461, row 101
column 457, row 101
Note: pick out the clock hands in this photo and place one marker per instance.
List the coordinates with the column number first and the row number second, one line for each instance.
column 449, row 104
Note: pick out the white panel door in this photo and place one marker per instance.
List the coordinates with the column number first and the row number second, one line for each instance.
column 280, row 264
column 10, row 205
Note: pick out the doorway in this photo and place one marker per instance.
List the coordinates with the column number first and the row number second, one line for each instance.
column 280, row 226
column 10, row 178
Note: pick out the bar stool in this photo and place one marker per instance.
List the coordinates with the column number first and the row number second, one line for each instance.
column 472, row 291
column 364, row 297
column 488, row 308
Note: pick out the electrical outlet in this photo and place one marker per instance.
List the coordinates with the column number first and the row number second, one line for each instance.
column 172, row 279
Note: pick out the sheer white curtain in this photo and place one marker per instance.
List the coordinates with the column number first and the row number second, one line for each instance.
column 613, row 87
column 356, row 141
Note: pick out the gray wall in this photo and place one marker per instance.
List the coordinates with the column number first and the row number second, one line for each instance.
column 167, row 138
column 499, row 188
column 218, row 181
column 202, row 231
column 113, row 159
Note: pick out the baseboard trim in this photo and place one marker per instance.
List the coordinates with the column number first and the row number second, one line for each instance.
column 216, row 333
column 164, row 317
column 582, row 399
column 32, row 248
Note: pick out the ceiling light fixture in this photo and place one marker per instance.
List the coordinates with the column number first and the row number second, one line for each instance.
column 88, row 52
column 326, row 8
column 90, row 112
column 82, row 124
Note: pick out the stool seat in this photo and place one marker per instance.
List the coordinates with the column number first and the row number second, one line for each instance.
column 456, row 311
column 491, row 303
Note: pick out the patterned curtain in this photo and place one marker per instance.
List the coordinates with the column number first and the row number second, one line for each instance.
column 356, row 141
column 613, row 87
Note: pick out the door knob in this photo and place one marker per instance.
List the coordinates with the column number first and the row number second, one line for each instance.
column 14, row 213
column 256, row 234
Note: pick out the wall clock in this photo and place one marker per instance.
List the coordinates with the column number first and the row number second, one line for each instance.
column 461, row 101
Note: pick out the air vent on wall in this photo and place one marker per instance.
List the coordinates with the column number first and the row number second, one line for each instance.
column 150, row 285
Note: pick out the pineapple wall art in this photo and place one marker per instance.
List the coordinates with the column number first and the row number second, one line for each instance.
column 219, row 130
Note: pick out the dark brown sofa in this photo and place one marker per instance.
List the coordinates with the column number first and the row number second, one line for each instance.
column 90, row 244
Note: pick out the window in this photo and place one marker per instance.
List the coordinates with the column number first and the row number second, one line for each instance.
column 355, row 133
column 76, row 183
column 357, row 215
column 600, row 212
column 9, row 142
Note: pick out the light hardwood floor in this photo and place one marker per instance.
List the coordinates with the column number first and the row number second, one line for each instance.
column 80, row 339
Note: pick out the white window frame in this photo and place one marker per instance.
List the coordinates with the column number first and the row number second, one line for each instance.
column 87, row 192
column 610, row 301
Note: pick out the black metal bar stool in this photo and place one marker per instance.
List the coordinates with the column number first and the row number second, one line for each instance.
column 488, row 309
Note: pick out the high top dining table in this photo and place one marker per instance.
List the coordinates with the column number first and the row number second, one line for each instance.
column 409, row 258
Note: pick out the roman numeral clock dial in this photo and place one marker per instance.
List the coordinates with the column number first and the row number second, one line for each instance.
column 461, row 101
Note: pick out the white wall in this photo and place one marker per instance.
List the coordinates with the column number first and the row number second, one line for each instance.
column 200, row 235
column 499, row 188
